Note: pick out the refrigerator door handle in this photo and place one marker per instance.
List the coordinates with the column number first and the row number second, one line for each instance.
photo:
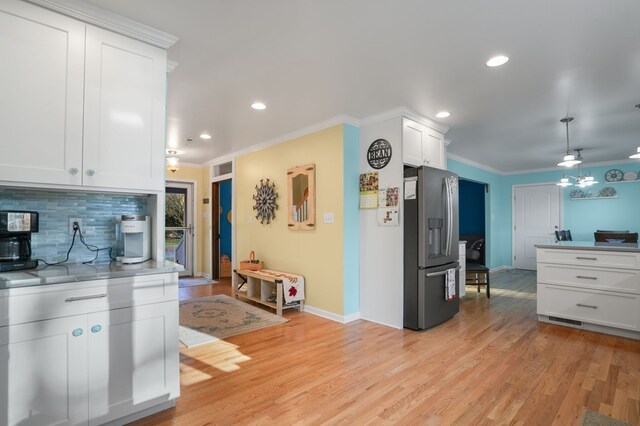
column 449, row 203
column 436, row 274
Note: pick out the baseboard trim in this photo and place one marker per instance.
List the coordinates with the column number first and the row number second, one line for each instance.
column 330, row 315
column 501, row 268
column 203, row 275
column 382, row 323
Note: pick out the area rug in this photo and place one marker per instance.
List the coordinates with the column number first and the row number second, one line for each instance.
column 188, row 282
column 207, row 319
column 591, row 418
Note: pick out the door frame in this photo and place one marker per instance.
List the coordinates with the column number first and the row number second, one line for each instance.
column 192, row 186
column 215, row 223
column 513, row 213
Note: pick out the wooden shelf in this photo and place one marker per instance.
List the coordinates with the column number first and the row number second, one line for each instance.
column 593, row 198
column 264, row 302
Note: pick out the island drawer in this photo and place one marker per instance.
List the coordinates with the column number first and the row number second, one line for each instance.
column 609, row 259
column 611, row 309
column 35, row 303
column 626, row 280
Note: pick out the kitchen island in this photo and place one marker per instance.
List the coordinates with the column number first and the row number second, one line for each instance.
column 89, row 344
column 588, row 285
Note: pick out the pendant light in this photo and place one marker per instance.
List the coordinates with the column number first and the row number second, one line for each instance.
column 637, row 154
column 173, row 162
column 569, row 160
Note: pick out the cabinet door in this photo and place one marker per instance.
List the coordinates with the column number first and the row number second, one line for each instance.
column 412, row 145
column 433, row 148
column 124, row 129
column 43, row 372
column 41, row 97
column 133, row 360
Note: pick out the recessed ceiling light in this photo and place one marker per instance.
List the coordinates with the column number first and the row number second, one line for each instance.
column 443, row 114
column 496, row 61
column 258, row 105
column 205, row 136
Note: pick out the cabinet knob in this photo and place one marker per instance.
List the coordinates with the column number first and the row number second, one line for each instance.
column 73, row 171
column 91, row 172
column 96, row 328
column 77, row 332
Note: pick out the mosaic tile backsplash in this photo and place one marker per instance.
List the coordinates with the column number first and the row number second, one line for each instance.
column 97, row 211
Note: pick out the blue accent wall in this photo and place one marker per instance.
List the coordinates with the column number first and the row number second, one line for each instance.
column 97, row 211
column 351, row 174
column 471, row 207
column 225, row 225
column 581, row 217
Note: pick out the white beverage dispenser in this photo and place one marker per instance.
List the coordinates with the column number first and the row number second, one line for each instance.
column 136, row 233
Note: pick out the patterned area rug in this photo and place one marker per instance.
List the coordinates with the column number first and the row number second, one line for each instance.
column 188, row 282
column 591, row 418
column 208, row 319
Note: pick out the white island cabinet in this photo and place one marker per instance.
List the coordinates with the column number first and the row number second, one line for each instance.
column 81, row 106
column 590, row 285
column 89, row 352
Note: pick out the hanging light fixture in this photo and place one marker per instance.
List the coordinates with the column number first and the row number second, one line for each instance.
column 173, row 162
column 569, row 160
column 583, row 179
column 637, row 154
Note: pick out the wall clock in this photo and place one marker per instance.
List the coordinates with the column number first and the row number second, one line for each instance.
column 265, row 201
column 613, row 175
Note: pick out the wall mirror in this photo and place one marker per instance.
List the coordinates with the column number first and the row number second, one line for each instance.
column 301, row 182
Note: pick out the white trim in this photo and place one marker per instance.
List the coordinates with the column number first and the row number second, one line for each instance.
column 340, row 119
column 194, row 215
column 381, row 323
column 171, row 65
column 221, row 178
column 404, row 112
column 513, row 212
column 447, row 142
column 103, row 18
column 78, row 188
column 565, row 169
column 474, row 164
column 330, row 315
column 500, row 268
column 202, row 274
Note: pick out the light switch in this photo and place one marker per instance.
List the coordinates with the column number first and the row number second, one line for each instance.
column 327, row 218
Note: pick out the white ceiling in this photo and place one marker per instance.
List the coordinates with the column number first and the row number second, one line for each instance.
column 313, row 60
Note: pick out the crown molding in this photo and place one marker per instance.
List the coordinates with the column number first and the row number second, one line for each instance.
column 475, row 164
column 103, row 18
column 404, row 112
column 340, row 119
column 447, row 142
column 564, row 169
column 171, row 65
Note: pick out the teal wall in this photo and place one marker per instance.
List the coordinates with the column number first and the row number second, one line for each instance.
column 351, row 179
column 581, row 217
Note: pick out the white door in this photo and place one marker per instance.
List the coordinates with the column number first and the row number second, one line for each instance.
column 179, row 224
column 133, row 360
column 43, row 378
column 125, row 85
column 536, row 214
column 41, row 95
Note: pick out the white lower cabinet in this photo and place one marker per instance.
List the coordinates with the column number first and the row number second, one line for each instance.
column 90, row 368
column 43, row 372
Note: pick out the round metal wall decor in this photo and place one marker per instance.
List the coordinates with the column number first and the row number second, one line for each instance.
column 379, row 153
column 265, row 201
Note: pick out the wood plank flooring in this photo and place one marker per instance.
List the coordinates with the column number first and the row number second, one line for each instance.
column 493, row 363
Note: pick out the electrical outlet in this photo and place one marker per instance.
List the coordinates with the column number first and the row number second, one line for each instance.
column 71, row 221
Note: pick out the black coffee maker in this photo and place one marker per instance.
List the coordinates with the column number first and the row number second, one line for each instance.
column 15, row 239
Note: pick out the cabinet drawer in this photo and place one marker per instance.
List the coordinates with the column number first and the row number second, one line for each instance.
column 36, row 303
column 611, row 309
column 590, row 258
column 585, row 277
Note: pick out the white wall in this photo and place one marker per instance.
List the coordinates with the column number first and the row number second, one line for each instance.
column 381, row 248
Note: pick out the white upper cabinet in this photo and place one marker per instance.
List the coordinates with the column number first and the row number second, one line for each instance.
column 124, row 111
column 421, row 145
column 41, row 95
column 79, row 105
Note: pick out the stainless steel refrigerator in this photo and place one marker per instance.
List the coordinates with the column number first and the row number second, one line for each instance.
column 430, row 246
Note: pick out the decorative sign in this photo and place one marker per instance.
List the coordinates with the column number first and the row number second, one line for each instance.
column 379, row 153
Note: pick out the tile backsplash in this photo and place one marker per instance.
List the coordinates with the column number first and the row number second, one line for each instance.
column 97, row 211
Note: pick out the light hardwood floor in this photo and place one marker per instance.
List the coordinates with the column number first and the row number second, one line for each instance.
column 493, row 363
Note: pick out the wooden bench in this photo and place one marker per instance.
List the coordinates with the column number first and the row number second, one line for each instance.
column 258, row 287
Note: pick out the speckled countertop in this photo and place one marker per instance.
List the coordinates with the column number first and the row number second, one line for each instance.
column 590, row 245
column 74, row 272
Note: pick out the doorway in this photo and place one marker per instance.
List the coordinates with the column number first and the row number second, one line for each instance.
column 221, row 229
column 537, row 214
column 179, row 217
column 472, row 219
